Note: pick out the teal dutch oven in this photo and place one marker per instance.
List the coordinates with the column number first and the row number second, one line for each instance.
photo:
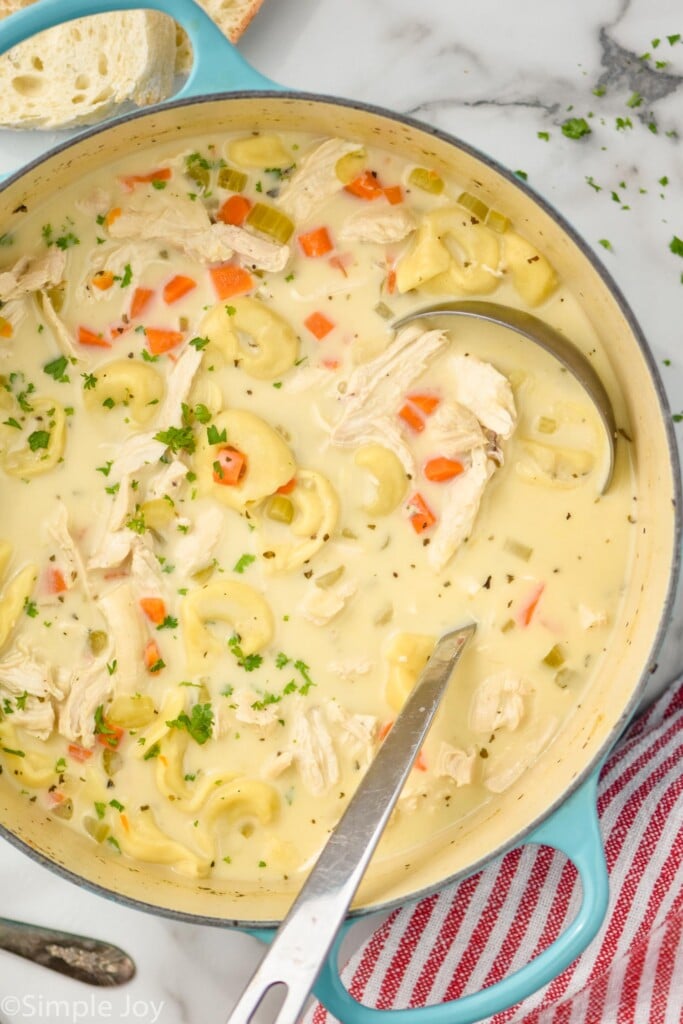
column 554, row 804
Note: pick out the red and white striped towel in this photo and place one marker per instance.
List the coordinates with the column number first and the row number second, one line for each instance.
column 473, row 933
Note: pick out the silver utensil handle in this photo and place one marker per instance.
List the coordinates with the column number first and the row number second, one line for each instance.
column 306, row 935
column 88, row 960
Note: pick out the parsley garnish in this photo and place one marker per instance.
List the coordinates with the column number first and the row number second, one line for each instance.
column 242, row 563
column 199, row 343
column 248, row 662
column 137, row 523
column 38, row 439
column 676, row 246
column 100, row 809
column 127, row 275
column 177, row 439
column 281, row 660
column 104, row 470
column 575, row 127
column 168, row 623
column 102, row 728
column 89, row 381
column 199, row 725
column 56, row 369
column 214, row 436
column 153, row 751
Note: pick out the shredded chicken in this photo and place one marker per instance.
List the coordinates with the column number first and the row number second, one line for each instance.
column 322, row 604
column 122, row 613
column 315, row 180
column 90, row 685
column 194, row 550
column 24, row 677
column 484, row 391
column 455, row 764
column 178, row 386
column 503, row 770
column 263, row 716
column 589, row 618
column 498, row 703
column 57, row 527
column 115, row 541
column 379, row 224
column 375, row 390
column 461, row 504
column 357, row 732
column 145, row 570
column 31, row 275
column 349, row 668
column 453, row 430
column 177, row 221
column 96, row 204
column 314, row 752
column 61, row 334
column 277, row 763
column 169, row 481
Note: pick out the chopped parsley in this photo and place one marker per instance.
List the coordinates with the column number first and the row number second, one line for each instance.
column 214, row 436
column 177, row 439
column 100, row 809
column 89, row 381
column 169, row 623
column 137, row 523
column 281, row 660
column 31, row 608
column 635, row 100
column 543, row 135
column 199, row 724
column 56, row 369
column 110, row 736
column 116, row 805
column 575, row 127
column 38, row 439
column 243, row 562
column 199, row 343
column 522, row 174
column 248, row 662
column 201, row 413
column 105, row 469
column 153, row 752
column 606, row 244
column 127, row 275
column 676, row 246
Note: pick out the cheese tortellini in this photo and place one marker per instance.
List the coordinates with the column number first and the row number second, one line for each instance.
column 452, row 252
column 137, row 386
column 253, row 336
column 315, row 509
column 407, row 655
column 41, row 443
column 390, row 478
column 231, row 603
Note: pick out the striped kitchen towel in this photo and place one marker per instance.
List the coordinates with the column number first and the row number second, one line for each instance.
column 473, row 933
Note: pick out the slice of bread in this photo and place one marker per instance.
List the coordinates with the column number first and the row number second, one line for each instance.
column 80, row 72
column 231, row 16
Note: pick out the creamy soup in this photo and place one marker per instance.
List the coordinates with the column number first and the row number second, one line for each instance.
column 239, row 507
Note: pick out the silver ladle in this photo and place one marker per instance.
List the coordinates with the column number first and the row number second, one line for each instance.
column 89, row 960
column 305, row 937
column 548, row 338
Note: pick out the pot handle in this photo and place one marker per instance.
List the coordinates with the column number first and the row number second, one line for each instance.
column 217, row 66
column 573, row 829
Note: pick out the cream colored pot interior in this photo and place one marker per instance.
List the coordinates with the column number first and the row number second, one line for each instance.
column 624, row 369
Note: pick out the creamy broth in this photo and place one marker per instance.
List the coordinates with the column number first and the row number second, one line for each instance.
column 222, row 580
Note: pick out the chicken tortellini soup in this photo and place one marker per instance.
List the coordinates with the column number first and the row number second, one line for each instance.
column 239, row 507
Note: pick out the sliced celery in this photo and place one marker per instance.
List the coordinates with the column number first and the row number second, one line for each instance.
column 329, row 579
column 474, row 205
column 198, row 173
column 231, row 179
column 555, row 657
column 546, row 425
column 158, row 513
column 428, row 181
column 56, row 295
column 111, row 761
column 497, row 221
column 64, row 810
column 97, row 829
column 381, row 309
column 518, row 550
column 350, row 166
column 97, row 640
column 280, row 509
column 271, row 222
column 131, row 712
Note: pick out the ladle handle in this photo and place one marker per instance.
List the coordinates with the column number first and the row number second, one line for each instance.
column 302, row 942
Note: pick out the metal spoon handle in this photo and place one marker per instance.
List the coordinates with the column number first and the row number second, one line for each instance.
column 307, row 933
column 88, row 960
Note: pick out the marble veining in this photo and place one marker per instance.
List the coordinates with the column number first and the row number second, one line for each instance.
column 495, row 75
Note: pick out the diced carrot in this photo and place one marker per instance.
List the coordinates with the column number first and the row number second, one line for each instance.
column 56, row 584
column 177, row 287
column 78, row 752
column 412, row 417
column 130, row 180
column 319, row 325
column 55, row 798
column 141, row 299
column 112, row 737
column 160, row 341
column 154, row 608
column 316, row 243
column 421, row 762
column 394, row 193
column 124, row 822
column 234, row 210
column 427, row 403
column 6, row 329
column 390, row 282
column 330, row 364
column 288, row 487
column 153, row 662
column 365, row 186
column 384, row 730
column 441, row 469
column 103, row 280
column 422, row 517
column 526, row 612
column 229, row 467
column 113, row 215
column 229, row 280
column 88, row 337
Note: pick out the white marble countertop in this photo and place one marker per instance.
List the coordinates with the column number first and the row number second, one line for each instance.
column 496, row 75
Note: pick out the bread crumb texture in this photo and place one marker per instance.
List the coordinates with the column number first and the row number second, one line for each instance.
column 82, row 72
